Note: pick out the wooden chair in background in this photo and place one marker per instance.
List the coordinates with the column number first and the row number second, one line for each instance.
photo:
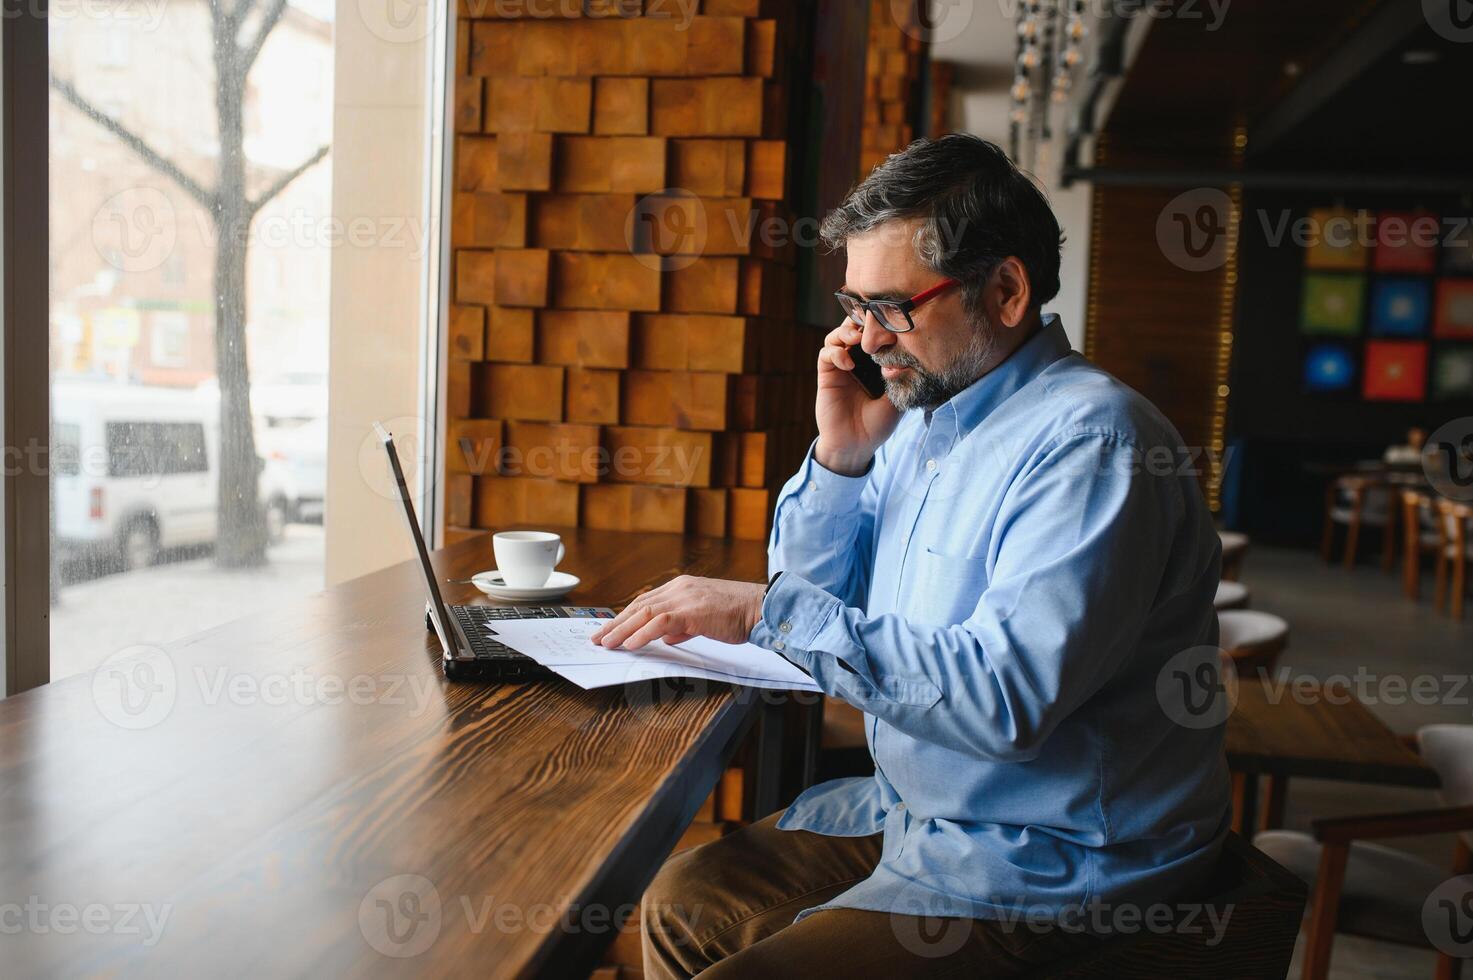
column 1420, row 537
column 1454, row 551
column 1231, row 595
column 1251, row 641
column 1356, row 502
column 1234, row 552
column 1367, row 889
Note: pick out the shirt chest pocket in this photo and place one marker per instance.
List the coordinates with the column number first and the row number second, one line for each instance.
column 947, row 589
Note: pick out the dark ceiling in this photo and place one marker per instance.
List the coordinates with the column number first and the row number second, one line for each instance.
column 1407, row 111
column 1344, row 86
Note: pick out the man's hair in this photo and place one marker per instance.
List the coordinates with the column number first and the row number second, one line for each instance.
column 976, row 207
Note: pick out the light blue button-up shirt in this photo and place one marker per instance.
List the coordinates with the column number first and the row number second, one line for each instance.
column 998, row 595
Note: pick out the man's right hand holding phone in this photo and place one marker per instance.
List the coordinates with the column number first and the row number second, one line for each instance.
column 851, row 424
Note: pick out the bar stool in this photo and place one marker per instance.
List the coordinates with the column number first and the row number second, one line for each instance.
column 1231, row 595
column 1251, row 641
column 1234, row 551
column 1454, row 550
column 1357, row 501
column 1364, row 887
column 1420, row 536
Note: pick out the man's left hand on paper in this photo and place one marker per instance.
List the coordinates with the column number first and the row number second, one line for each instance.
column 684, row 607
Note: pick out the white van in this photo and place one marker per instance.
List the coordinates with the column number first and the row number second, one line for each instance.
column 136, row 470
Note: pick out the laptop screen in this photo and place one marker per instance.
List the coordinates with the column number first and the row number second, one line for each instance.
column 438, row 613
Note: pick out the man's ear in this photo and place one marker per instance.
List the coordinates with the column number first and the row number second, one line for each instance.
column 1009, row 294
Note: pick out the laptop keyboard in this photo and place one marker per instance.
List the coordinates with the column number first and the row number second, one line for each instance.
column 473, row 620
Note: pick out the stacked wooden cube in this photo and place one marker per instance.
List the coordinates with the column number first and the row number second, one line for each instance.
column 892, row 82
column 624, row 351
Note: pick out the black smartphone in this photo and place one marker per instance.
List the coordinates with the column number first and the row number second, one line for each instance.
column 867, row 372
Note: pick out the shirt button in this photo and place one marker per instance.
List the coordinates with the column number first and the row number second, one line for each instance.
column 813, row 486
column 900, row 808
column 779, row 646
column 785, row 627
column 931, row 465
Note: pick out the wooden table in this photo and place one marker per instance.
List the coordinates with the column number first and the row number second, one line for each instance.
column 1306, row 730
column 273, row 823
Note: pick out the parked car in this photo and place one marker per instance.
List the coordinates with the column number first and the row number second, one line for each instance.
column 136, row 471
column 300, row 450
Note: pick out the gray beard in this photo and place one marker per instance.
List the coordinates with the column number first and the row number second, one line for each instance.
column 928, row 389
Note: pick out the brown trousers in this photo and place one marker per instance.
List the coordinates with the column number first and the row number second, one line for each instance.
column 725, row 909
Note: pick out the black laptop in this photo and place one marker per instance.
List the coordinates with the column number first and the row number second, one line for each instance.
column 471, row 650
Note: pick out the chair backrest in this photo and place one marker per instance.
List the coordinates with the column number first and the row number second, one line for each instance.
column 1449, row 750
column 1418, row 511
column 1256, row 906
column 1454, row 517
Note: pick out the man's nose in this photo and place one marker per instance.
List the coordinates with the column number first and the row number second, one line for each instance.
column 875, row 338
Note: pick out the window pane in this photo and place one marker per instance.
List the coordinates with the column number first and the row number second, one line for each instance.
column 189, row 316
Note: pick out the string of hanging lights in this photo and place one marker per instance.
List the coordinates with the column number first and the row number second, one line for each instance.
column 1048, row 55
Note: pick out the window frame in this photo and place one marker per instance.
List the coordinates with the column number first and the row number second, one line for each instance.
column 25, row 375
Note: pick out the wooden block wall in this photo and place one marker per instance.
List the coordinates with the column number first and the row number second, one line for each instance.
column 624, row 350
column 892, row 85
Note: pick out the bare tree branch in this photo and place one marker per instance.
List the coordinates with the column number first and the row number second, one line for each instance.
column 281, row 183
column 134, row 142
column 269, row 18
column 238, row 14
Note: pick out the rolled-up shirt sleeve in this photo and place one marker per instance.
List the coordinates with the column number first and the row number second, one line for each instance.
column 1055, row 622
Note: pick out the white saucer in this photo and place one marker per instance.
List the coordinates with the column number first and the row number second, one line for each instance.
column 491, row 583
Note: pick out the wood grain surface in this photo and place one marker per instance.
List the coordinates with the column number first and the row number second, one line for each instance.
column 260, row 789
column 1307, row 730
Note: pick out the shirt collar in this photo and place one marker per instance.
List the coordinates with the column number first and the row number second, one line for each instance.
column 970, row 406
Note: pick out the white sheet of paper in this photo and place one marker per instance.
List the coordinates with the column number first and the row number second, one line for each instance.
column 563, row 646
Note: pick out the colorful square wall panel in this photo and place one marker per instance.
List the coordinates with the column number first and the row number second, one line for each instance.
column 1332, row 304
column 1400, row 307
column 1339, row 239
column 1406, row 241
column 1329, row 368
column 1452, row 373
column 1396, row 371
column 1454, row 311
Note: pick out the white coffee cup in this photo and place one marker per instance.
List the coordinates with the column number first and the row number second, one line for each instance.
column 526, row 559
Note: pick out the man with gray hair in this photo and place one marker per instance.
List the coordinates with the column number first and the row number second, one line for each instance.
column 992, row 563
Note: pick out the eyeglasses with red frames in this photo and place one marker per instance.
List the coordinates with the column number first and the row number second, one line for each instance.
column 892, row 314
